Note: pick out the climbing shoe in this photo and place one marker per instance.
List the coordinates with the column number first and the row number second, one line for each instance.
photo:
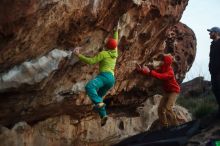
column 99, row 105
column 66, row 93
column 104, row 120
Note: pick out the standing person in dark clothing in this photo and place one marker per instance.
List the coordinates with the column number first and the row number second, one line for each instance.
column 214, row 63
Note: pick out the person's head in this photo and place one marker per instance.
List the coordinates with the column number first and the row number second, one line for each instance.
column 111, row 44
column 166, row 61
column 171, row 35
column 214, row 33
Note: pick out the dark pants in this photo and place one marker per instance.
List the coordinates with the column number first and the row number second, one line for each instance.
column 215, row 80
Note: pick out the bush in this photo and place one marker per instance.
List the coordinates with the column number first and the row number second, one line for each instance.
column 198, row 106
column 203, row 110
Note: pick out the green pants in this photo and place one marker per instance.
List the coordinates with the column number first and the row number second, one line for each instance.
column 98, row 87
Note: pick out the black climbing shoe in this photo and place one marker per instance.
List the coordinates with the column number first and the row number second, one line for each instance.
column 104, row 120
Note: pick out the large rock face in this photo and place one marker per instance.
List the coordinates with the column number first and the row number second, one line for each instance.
column 36, row 64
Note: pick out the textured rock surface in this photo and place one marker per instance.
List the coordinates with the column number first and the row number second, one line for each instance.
column 32, row 72
column 31, row 78
column 66, row 131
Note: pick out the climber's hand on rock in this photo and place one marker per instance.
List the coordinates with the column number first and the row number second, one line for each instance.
column 76, row 50
column 145, row 70
column 138, row 67
column 116, row 28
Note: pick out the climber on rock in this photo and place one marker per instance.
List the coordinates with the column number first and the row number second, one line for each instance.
column 105, row 80
column 170, row 86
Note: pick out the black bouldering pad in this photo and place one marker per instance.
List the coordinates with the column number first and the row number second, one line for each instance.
column 173, row 136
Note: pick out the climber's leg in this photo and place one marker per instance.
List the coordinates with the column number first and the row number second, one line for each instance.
column 169, row 107
column 109, row 81
column 91, row 89
column 162, row 112
column 102, row 83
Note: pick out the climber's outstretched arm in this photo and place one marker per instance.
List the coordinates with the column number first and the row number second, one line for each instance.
column 89, row 60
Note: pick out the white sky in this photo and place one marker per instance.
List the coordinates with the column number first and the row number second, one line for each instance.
column 199, row 16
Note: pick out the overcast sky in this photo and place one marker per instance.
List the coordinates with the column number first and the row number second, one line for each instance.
column 199, row 16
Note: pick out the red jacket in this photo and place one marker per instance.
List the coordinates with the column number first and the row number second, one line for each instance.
column 166, row 74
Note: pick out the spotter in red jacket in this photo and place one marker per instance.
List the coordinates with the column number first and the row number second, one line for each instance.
column 166, row 74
